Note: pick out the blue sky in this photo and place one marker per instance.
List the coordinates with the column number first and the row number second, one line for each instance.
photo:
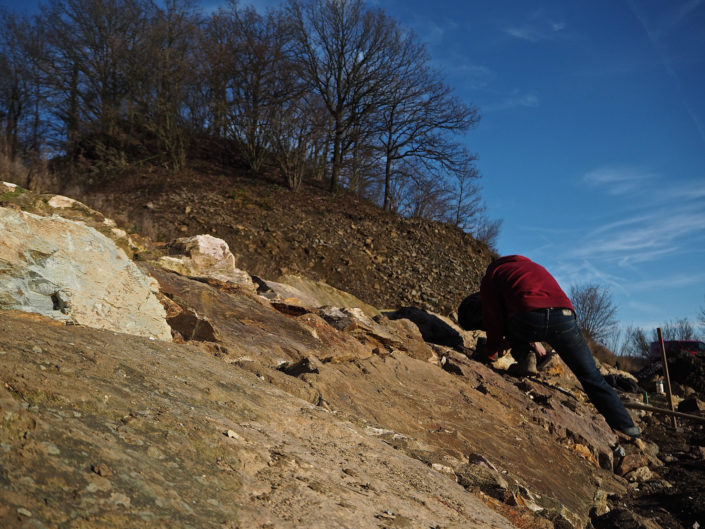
column 592, row 139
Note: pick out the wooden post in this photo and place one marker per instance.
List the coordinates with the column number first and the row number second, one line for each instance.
column 664, row 361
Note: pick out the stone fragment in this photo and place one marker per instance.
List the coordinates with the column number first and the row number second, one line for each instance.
column 305, row 365
column 367, row 330
column 70, row 272
column 102, row 470
column 433, row 328
column 319, row 294
column 120, row 500
column 233, row 435
column 640, row 475
column 483, row 478
column 61, row 202
column 278, row 292
column 631, row 462
column 623, row 518
column 583, row 451
column 205, row 256
column 154, row 452
column 191, row 326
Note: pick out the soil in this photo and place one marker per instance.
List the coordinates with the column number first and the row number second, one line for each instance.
column 383, row 259
column 682, row 449
column 683, row 505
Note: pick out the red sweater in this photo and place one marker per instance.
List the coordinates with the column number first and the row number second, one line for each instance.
column 512, row 285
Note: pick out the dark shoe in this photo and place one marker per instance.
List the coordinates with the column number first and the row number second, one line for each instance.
column 631, row 431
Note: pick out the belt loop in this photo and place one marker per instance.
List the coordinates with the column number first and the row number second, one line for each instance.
column 546, row 322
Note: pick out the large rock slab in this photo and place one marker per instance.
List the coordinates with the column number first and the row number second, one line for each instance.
column 248, row 328
column 544, row 439
column 319, row 293
column 69, row 271
column 431, row 415
column 47, row 204
column 116, row 431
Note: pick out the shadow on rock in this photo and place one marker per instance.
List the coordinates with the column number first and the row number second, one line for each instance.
column 432, row 328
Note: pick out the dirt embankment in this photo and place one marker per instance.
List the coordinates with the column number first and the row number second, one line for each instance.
column 383, row 259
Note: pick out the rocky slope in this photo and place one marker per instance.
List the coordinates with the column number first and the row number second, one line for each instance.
column 383, row 259
column 288, row 404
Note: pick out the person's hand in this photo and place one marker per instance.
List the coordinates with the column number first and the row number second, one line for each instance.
column 538, row 348
column 480, row 346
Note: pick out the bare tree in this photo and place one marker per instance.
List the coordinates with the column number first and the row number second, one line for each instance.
column 595, row 311
column 487, row 230
column 419, row 113
column 89, row 65
column 16, row 81
column 468, row 205
column 163, row 76
column 676, row 330
column 343, row 50
column 297, row 134
column 418, row 193
column 215, row 52
column 635, row 343
column 250, row 77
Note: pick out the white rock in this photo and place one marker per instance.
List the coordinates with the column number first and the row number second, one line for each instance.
column 68, row 271
column 206, row 256
column 61, row 202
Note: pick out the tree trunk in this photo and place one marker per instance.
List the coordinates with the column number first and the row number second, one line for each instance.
column 337, row 158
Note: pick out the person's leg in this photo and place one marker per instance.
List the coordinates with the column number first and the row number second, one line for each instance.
column 565, row 337
column 522, row 332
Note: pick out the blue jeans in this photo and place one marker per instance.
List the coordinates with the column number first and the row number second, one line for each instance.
column 561, row 332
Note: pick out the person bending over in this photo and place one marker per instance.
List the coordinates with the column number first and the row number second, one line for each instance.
column 521, row 305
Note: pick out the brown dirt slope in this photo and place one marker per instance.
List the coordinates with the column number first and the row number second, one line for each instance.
column 383, row 259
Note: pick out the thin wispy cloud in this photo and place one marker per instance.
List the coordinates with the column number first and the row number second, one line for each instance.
column 538, row 27
column 528, row 100
column 570, row 272
column 464, row 71
column 676, row 14
column 660, row 219
column 669, row 281
column 432, row 32
column 475, row 76
column 618, row 180
column 639, row 240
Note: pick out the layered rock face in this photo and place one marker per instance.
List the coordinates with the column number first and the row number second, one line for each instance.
column 68, row 271
column 277, row 406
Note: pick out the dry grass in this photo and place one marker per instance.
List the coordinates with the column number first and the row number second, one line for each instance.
column 32, row 174
column 12, row 171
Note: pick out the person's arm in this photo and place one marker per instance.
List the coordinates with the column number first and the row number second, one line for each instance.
column 492, row 316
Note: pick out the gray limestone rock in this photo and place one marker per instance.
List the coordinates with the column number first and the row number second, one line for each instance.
column 68, row 271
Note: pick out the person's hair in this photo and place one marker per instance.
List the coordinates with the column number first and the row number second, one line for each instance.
column 470, row 313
